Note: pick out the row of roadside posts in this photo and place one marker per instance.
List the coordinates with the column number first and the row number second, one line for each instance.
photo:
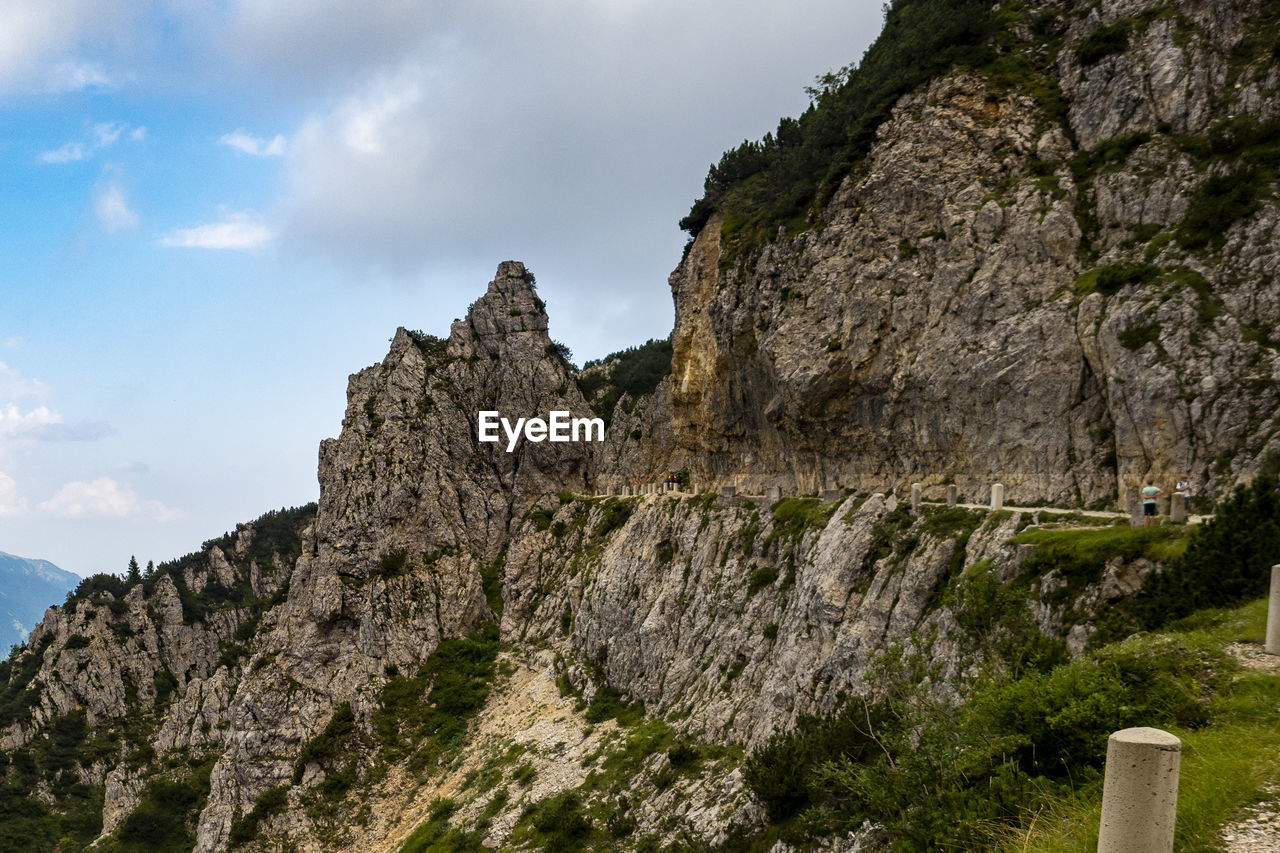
column 1177, row 503
column 1140, row 789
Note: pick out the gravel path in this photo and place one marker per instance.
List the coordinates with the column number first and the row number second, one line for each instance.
column 1258, row 831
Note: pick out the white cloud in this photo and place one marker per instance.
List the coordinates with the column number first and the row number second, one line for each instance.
column 111, row 205
column 242, row 141
column 40, row 423
column 106, row 133
column 101, row 135
column 13, row 385
column 76, row 76
column 15, row 422
column 236, row 231
column 104, row 497
column 48, row 45
column 11, row 503
column 69, row 153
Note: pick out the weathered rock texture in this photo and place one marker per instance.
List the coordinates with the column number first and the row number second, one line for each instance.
column 967, row 310
column 933, row 327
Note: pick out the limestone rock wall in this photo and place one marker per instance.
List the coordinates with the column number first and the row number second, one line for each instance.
column 997, row 293
column 935, row 324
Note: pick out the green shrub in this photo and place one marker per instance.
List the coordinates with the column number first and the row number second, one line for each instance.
column 615, row 514
column 1137, row 336
column 561, row 821
column 541, row 518
column 997, row 622
column 392, row 564
column 793, row 517
column 608, row 704
column 635, row 371
column 950, row 521
column 890, row 534
column 270, row 802
column 1110, row 279
column 1105, row 41
column 938, row 777
column 329, row 744
column 164, row 820
column 1218, row 202
column 524, row 775
column 459, row 673
column 760, row 185
column 1080, row 556
column 20, row 670
column 436, row 836
column 761, row 578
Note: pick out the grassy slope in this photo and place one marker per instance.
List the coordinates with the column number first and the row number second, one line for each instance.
column 1224, row 764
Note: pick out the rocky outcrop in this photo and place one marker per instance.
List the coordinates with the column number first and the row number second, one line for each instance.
column 1001, row 291
column 943, row 323
column 413, row 508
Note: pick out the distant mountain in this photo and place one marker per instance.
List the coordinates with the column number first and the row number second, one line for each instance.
column 27, row 589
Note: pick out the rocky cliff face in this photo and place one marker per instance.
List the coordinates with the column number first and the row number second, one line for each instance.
column 473, row 646
column 1065, row 306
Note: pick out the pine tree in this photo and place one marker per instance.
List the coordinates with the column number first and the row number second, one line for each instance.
column 134, row 575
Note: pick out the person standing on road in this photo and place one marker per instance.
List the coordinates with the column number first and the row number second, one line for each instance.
column 1149, row 494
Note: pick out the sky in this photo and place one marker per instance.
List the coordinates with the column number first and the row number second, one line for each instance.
column 214, row 212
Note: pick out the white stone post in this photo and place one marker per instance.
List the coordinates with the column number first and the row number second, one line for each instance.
column 728, row 491
column 1272, row 646
column 953, row 495
column 997, row 496
column 1136, row 517
column 1178, row 509
column 1140, row 792
column 773, row 494
column 917, row 493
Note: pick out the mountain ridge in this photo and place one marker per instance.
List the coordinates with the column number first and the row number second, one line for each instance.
column 461, row 647
column 21, row 606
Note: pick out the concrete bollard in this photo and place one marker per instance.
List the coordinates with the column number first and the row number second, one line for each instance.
column 917, row 495
column 773, row 494
column 1140, row 792
column 831, row 495
column 1272, row 646
column 728, row 491
column 1178, row 509
column 997, row 497
column 953, row 495
column 1135, row 514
